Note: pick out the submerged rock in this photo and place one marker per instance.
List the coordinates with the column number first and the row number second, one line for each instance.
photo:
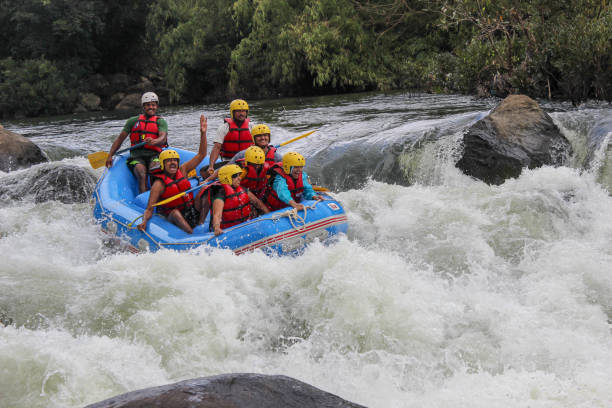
column 516, row 134
column 17, row 151
column 52, row 182
column 230, row 391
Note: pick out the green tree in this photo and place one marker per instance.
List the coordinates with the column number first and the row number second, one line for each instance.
column 194, row 41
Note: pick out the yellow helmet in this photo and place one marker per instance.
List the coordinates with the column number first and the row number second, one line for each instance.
column 260, row 130
column 226, row 172
column 238, row 104
column 168, row 154
column 292, row 159
column 255, row 155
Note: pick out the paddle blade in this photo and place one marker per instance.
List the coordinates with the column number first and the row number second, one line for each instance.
column 319, row 188
column 97, row 159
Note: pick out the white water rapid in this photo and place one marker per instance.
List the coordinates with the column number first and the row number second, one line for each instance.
column 446, row 292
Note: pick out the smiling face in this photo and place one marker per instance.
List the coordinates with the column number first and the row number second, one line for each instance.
column 296, row 171
column 149, row 108
column 262, row 140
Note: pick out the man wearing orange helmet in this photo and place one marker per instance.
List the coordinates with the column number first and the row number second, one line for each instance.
column 233, row 136
column 148, row 128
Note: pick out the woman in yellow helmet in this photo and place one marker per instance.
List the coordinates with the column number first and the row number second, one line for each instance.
column 183, row 211
column 290, row 184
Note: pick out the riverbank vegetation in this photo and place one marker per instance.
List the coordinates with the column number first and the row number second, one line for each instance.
column 55, row 51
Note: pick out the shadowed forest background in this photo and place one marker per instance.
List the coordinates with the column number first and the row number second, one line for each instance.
column 54, row 51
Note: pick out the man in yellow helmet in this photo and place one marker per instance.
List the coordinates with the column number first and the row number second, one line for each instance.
column 148, row 128
column 290, row 184
column 254, row 177
column 230, row 202
column 183, row 211
column 233, row 136
column 261, row 137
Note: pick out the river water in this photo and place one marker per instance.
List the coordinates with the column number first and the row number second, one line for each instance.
column 446, row 292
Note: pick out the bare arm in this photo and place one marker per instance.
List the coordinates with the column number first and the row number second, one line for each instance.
column 115, row 146
column 157, row 189
column 159, row 141
column 214, row 155
column 197, row 159
column 216, row 216
column 258, row 203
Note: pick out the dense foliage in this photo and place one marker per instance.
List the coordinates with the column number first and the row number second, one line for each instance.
column 217, row 49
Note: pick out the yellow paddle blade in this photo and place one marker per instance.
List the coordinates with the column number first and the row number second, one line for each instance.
column 97, row 159
column 167, row 200
column 319, row 188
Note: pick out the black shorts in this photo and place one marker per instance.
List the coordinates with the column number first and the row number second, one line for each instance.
column 191, row 215
column 151, row 162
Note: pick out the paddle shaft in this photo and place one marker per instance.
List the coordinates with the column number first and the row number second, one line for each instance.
column 136, row 146
column 295, row 138
column 179, row 195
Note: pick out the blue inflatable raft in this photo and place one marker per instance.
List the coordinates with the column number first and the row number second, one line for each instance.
column 117, row 206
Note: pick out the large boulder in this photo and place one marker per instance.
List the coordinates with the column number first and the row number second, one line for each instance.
column 230, row 391
column 50, row 182
column 130, row 102
column 17, row 151
column 516, row 134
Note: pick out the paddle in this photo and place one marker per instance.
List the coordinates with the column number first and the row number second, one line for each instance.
column 319, row 188
column 295, row 138
column 179, row 195
column 98, row 159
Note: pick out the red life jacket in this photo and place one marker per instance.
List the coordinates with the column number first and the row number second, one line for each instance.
column 237, row 139
column 236, row 206
column 174, row 187
column 270, row 155
column 255, row 182
column 296, row 188
column 145, row 126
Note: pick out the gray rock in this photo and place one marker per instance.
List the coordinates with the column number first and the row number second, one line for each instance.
column 16, row 151
column 143, row 86
column 119, row 81
column 98, row 84
column 516, row 134
column 130, row 102
column 50, row 182
column 90, row 101
column 230, row 391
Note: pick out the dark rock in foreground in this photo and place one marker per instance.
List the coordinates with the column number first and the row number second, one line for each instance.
column 229, row 391
column 17, row 151
column 516, row 134
column 50, row 182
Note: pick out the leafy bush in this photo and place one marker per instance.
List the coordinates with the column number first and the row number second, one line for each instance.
column 33, row 87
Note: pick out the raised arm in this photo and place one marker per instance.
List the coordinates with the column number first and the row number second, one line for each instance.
column 197, row 159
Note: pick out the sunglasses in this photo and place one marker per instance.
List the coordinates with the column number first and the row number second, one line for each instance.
column 235, row 175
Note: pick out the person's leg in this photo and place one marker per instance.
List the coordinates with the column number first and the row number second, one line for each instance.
column 203, row 207
column 177, row 219
column 140, row 171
